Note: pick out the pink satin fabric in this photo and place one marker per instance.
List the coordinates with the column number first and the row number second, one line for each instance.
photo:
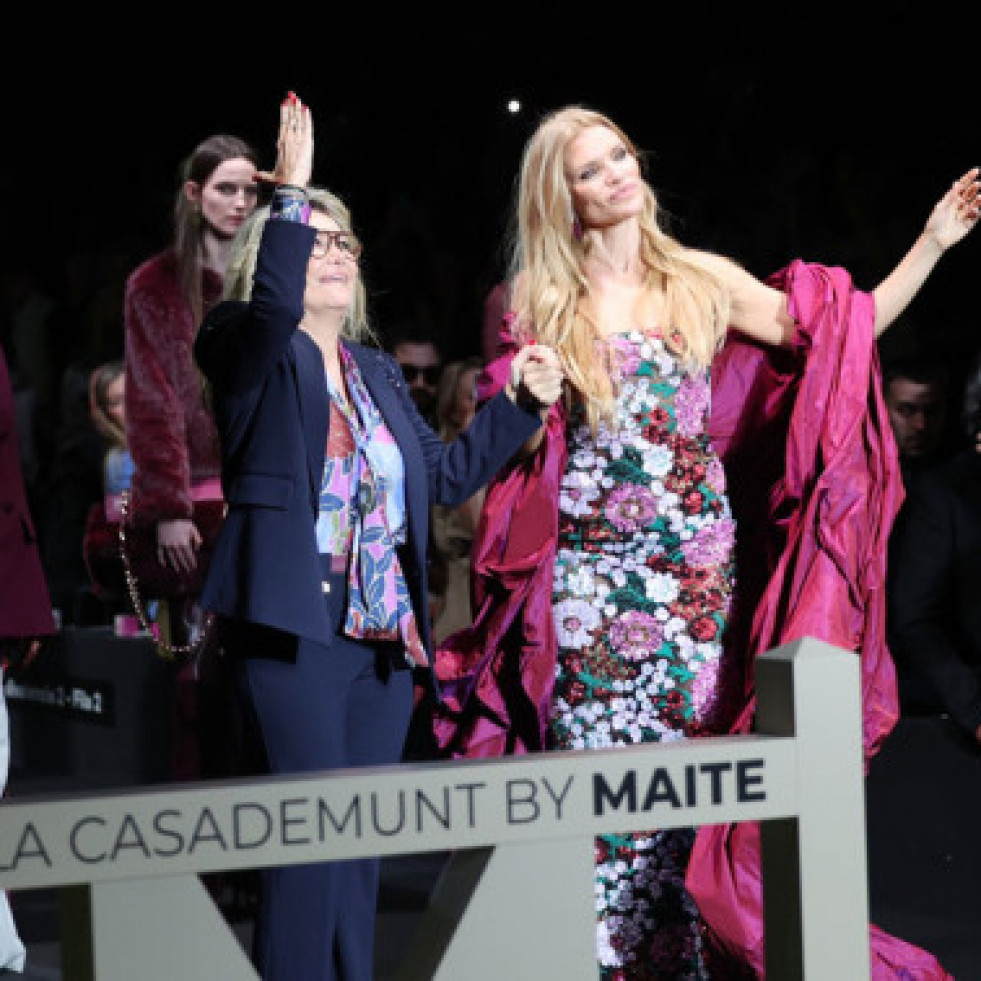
column 496, row 676
column 814, row 523
column 814, row 484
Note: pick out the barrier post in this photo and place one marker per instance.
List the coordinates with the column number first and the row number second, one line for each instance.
column 814, row 863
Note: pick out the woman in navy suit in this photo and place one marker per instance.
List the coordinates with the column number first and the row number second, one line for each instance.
column 319, row 577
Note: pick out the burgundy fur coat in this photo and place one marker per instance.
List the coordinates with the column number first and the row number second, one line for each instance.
column 169, row 429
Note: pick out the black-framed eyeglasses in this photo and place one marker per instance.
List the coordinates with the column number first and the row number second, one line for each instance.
column 346, row 243
column 429, row 374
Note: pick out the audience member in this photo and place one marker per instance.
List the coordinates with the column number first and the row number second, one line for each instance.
column 73, row 485
column 107, row 395
column 916, row 394
column 456, row 398
column 419, row 357
column 25, row 609
column 451, row 533
column 453, row 528
column 935, row 581
column 100, row 545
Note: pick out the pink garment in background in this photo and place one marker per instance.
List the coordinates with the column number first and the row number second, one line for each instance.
column 814, row 484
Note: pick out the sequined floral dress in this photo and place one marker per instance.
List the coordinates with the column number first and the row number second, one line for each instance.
column 642, row 583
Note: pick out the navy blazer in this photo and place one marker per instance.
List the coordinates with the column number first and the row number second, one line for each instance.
column 272, row 409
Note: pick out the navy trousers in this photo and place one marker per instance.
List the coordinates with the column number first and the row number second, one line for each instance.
column 320, row 708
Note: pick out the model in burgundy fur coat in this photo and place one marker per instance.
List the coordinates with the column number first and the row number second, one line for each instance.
column 169, row 429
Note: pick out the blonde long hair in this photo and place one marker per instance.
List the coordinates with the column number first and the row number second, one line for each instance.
column 548, row 261
column 245, row 251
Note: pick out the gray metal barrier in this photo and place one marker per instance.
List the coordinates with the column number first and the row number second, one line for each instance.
column 516, row 899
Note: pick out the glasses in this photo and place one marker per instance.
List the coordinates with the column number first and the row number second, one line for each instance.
column 346, row 243
column 429, row 374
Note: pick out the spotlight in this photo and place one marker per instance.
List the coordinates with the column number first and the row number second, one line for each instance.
column 514, row 106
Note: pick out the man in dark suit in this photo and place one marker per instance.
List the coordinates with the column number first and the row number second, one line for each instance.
column 935, row 581
column 25, row 608
column 916, row 394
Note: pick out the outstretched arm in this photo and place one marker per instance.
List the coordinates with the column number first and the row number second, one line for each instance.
column 954, row 215
column 761, row 312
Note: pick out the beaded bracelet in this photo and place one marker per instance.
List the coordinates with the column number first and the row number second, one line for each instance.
column 289, row 203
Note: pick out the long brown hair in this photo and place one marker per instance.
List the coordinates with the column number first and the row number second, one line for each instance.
column 189, row 226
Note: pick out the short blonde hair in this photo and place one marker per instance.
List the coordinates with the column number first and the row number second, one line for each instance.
column 245, row 250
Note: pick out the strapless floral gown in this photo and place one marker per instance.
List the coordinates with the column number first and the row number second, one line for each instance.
column 643, row 579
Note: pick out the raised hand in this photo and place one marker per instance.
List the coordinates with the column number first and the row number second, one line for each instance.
column 294, row 146
column 956, row 213
column 537, row 370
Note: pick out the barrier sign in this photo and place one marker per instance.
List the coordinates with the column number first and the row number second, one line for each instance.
column 799, row 776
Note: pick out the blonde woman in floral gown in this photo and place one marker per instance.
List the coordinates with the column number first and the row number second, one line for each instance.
column 615, row 525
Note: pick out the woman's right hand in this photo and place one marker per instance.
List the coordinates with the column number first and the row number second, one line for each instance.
column 178, row 541
column 957, row 212
column 294, row 147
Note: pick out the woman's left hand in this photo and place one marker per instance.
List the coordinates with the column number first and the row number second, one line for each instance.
column 537, row 369
column 957, row 212
column 294, row 147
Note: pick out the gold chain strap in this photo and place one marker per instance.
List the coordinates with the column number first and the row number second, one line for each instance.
column 168, row 651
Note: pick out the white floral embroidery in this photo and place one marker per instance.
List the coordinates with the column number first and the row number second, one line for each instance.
column 662, row 588
column 641, row 589
column 573, row 620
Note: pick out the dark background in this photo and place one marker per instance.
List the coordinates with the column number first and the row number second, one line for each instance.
column 823, row 131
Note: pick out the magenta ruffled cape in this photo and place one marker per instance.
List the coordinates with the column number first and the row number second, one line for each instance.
column 815, row 487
